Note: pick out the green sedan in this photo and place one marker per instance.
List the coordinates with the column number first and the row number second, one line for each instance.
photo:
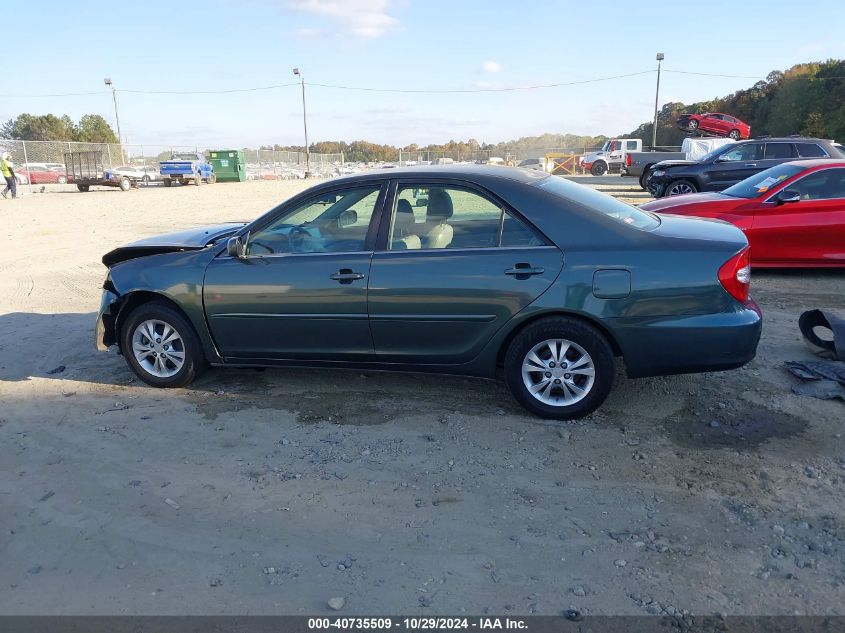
column 459, row 270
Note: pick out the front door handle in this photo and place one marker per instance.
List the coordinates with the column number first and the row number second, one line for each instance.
column 346, row 276
column 523, row 270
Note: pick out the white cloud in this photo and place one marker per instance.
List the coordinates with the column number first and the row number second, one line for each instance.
column 491, row 67
column 362, row 18
column 309, row 32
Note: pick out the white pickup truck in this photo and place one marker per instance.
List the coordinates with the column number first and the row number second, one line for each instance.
column 611, row 156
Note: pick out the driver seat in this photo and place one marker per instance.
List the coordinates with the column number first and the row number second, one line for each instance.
column 439, row 211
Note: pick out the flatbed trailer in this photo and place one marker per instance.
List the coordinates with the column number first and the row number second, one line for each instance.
column 87, row 170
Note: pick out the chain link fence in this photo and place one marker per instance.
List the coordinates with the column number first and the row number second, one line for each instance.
column 43, row 162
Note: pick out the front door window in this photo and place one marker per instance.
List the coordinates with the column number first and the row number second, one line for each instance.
column 329, row 223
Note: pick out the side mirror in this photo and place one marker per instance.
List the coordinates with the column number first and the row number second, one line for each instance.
column 235, row 247
column 788, row 195
column 347, row 218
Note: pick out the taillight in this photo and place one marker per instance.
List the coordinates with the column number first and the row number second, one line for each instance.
column 628, row 160
column 735, row 275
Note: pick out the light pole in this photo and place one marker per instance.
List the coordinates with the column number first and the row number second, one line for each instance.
column 304, row 123
column 656, row 95
column 108, row 82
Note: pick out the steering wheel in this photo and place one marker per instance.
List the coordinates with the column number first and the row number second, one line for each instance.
column 301, row 240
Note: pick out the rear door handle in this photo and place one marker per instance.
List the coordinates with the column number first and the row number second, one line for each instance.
column 523, row 269
column 750, row 164
column 346, row 276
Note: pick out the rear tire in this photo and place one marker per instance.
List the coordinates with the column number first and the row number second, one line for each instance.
column 212, row 179
column 141, row 350
column 692, row 124
column 62, row 180
column 680, row 187
column 125, row 184
column 598, row 169
column 550, row 391
column 168, row 182
column 197, row 180
column 83, row 188
column 734, row 134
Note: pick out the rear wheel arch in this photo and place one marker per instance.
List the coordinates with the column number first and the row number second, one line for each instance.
column 601, row 327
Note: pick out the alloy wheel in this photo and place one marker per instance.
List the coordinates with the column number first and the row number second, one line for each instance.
column 158, row 348
column 679, row 188
column 558, row 372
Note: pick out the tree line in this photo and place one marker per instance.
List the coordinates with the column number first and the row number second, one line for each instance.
column 91, row 128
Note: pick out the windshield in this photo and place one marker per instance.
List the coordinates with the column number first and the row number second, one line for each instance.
column 713, row 154
column 601, row 203
column 760, row 183
column 606, row 146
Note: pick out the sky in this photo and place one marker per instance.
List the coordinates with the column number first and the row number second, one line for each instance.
column 397, row 45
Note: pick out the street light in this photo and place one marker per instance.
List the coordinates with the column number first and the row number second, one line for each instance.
column 304, row 123
column 108, row 82
column 656, row 94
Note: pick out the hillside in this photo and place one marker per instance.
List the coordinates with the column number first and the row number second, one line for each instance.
column 806, row 99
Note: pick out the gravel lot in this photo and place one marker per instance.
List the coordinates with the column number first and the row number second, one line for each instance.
column 274, row 491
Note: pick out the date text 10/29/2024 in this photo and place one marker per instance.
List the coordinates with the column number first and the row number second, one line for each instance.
column 418, row 624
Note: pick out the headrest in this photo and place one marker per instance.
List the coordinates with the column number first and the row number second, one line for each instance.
column 439, row 205
column 404, row 218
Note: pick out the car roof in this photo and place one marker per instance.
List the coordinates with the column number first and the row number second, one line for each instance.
column 458, row 172
column 786, row 139
column 818, row 162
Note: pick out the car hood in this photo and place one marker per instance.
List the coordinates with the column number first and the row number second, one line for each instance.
column 592, row 156
column 191, row 239
column 663, row 164
column 689, row 203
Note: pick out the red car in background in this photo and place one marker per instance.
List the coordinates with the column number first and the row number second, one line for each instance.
column 42, row 175
column 715, row 123
column 793, row 214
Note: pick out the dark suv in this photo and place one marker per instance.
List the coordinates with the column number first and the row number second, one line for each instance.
column 727, row 165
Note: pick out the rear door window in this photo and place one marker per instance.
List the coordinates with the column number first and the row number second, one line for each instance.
column 779, row 150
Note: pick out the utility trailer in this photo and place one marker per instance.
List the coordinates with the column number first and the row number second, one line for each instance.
column 87, row 170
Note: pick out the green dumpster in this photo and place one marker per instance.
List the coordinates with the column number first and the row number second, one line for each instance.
column 229, row 164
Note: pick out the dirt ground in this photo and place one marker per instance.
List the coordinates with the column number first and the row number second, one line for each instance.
column 272, row 492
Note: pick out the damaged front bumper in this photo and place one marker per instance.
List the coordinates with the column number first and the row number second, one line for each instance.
column 104, row 330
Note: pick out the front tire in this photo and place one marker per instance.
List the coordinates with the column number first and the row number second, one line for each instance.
column 83, row 188
column 644, row 178
column 168, row 182
column 680, row 187
column 160, row 346
column 62, row 180
column 125, row 184
column 598, row 169
column 559, row 368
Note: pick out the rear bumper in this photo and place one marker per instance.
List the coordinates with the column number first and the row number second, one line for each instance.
column 657, row 346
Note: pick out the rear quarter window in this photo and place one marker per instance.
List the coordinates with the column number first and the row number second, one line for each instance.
column 600, row 203
column 810, row 150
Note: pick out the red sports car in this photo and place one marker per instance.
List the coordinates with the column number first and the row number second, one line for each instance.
column 715, row 123
column 793, row 214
